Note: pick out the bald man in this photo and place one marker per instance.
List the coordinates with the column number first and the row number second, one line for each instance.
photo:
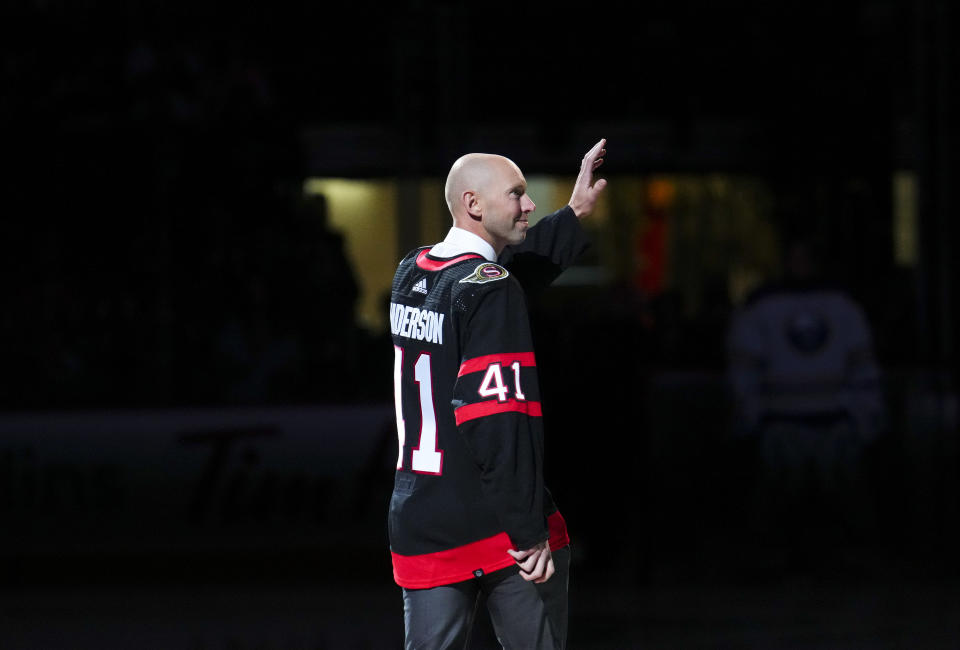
column 470, row 518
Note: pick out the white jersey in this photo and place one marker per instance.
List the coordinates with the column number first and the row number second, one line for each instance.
column 804, row 353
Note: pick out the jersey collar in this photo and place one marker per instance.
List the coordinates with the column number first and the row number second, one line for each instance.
column 459, row 241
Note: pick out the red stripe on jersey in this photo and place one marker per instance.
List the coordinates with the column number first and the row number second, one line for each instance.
column 482, row 363
column 559, row 537
column 461, row 563
column 428, row 264
column 492, row 407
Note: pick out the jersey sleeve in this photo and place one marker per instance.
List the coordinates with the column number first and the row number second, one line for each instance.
column 497, row 410
column 550, row 247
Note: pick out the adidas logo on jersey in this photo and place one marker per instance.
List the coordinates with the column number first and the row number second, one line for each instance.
column 421, row 286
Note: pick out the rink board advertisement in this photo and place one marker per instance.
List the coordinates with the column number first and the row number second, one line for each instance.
column 168, row 480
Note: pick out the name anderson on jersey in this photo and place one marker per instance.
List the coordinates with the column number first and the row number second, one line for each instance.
column 413, row 323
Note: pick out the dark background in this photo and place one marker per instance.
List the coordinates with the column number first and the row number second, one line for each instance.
column 152, row 150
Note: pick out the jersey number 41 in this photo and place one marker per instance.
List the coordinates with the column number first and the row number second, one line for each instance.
column 426, row 458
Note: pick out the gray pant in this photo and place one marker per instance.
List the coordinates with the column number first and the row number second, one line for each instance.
column 525, row 616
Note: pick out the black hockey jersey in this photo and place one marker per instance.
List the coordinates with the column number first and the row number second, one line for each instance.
column 469, row 480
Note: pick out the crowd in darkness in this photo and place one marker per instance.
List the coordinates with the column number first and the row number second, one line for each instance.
column 157, row 249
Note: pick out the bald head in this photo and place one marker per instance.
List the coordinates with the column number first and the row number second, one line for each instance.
column 474, row 173
column 487, row 196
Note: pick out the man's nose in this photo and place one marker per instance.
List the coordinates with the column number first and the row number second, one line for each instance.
column 527, row 204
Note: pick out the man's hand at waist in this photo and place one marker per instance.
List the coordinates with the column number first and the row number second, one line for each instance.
column 536, row 563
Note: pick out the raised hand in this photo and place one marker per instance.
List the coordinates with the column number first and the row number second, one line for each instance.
column 585, row 190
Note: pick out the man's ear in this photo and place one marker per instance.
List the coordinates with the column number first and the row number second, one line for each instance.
column 471, row 202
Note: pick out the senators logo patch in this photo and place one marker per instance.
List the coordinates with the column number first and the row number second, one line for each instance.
column 487, row 272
